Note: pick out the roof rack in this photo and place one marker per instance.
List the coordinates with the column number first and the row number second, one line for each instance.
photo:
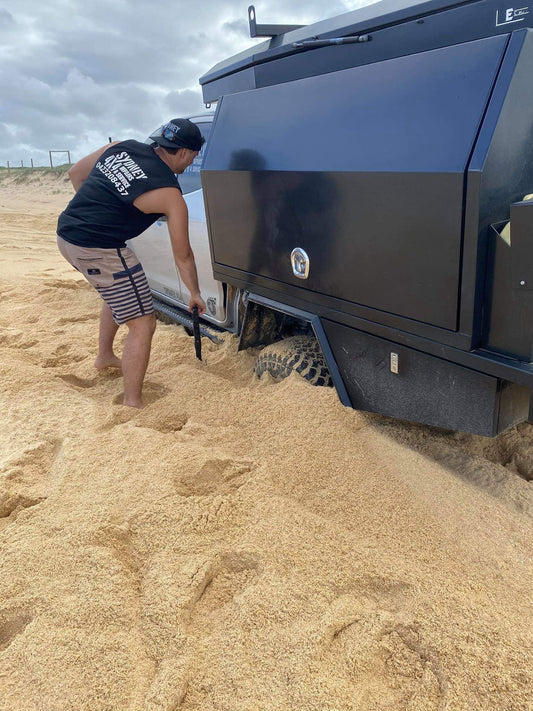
column 267, row 30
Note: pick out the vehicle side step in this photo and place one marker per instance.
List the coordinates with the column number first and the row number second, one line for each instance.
column 186, row 320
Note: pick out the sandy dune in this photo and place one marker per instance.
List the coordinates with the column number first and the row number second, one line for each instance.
column 238, row 545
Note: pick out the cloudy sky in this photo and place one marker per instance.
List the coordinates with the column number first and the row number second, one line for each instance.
column 74, row 72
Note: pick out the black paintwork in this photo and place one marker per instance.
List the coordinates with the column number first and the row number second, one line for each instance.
column 425, row 389
column 392, row 175
column 358, row 252
column 369, row 182
column 506, row 177
column 500, row 172
column 396, row 29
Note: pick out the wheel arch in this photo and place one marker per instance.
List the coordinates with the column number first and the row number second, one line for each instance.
column 261, row 324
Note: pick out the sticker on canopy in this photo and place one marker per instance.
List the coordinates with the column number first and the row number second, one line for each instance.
column 511, row 15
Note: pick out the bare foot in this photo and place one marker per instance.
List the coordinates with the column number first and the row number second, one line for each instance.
column 110, row 362
column 133, row 403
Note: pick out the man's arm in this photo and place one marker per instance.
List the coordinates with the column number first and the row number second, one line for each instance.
column 170, row 202
column 79, row 172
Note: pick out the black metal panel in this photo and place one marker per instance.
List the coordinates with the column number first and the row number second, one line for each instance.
column 364, row 172
column 513, row 405
column 475, row 243
column 396, row 30
column 242, row 81
column 411, row 114
column 358, row 316
column 425, row 389
column 511, row 313
column 507, row 175
column 460, row 25
column 389, row 241
column 522, row 248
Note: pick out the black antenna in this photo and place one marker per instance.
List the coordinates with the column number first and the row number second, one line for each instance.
column 267, row 30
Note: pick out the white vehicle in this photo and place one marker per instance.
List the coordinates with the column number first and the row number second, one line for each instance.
column 153, row 249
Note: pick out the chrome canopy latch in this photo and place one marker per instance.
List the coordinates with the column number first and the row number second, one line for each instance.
column 300, row 263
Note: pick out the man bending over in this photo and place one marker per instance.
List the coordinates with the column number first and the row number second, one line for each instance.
column 121, row 189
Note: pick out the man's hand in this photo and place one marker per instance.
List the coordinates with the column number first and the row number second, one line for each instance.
column 197, row 301
column 170, row 202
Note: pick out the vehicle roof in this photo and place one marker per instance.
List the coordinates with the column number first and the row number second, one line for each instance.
column 365, row 19
column 199, row 117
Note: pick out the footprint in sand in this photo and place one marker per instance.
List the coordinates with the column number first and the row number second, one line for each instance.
column 371, row 645
column 151, row 393
column 13, row 502
column 77, row 319
column 118, row 540
column 12, row 624
column 15, row 338
column 86, row 383
column 181, row 589
column 121, row 414
column 216, row 476
column 223, row 580
column 162, row 422
column 118, row 416
column 78, row 382
column 62, row 355
column 202, row 590
column 25, row 478
column 164, row 419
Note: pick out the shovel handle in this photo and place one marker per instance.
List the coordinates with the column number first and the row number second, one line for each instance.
column 196, row 332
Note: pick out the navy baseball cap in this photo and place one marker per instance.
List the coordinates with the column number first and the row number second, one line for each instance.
column 179, row 133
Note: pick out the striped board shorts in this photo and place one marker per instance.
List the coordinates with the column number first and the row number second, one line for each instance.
column 116, row 274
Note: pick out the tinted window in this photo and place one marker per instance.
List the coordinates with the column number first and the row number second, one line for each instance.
column 190, row 179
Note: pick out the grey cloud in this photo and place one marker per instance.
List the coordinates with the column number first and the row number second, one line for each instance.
column 6, row 19
column 74, row 72
column 182, row 103
column 239, row 27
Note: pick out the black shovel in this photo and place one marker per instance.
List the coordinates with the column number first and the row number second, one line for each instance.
column 196, row 332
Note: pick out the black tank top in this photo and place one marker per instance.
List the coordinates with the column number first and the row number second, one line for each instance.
column 102, row 214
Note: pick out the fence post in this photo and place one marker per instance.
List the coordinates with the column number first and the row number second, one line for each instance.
column 50, row 153
column 31, row 163
column 22, row 164
column 8, row 167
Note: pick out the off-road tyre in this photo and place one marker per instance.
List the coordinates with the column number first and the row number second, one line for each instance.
column 299, row 354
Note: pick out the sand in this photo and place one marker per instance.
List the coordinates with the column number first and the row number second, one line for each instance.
column 239, row 544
